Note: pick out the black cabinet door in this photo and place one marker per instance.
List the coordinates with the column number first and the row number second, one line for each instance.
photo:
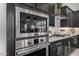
column 31, row 4
column 52, row 51
column 66, row 11
column 72, row 19
column 51, row 12
column 63, row 11
column 78, row 40
column 56, row 49
column 51, row 20
column 64, row 23
column 51, row 9
column 65, row 47
column 76, row 18
column 60, row 50
column 43, row 6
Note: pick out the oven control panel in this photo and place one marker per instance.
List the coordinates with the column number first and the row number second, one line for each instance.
column 30, row 42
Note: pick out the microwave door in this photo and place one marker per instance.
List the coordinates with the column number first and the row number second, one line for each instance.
column 27, row 24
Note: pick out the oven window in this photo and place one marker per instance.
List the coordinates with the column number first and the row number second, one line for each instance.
column 31, row 23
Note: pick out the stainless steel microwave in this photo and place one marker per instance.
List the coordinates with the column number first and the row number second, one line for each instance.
column 30, row 23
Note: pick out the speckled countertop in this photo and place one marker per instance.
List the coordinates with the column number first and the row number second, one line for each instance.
column 55, row 38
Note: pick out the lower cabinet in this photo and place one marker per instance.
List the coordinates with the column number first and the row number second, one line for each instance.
column 64, row 47
column 78, row 41
column 56, row 48
column 67, row 46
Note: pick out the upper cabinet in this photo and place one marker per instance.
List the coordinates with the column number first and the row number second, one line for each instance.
column 43, row 6
column 39, row 6
column 51, row 12
column 72, row 19
column 69, row 13
column 51, row 21
column 65, row 11
column 31, row 5
column 51, row 9
column 76, row 18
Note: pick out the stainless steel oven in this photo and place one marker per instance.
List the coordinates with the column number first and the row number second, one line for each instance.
column 30, row 23
column 33, row 50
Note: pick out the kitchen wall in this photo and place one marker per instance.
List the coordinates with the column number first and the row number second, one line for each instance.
column 2, row 29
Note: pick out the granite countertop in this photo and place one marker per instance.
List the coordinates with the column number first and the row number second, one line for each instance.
column 55, row 38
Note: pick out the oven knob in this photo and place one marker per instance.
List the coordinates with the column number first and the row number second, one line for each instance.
column 29, row 43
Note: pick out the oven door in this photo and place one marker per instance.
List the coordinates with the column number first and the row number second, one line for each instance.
column 29, row 23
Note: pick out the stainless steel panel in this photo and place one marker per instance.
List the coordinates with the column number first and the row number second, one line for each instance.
column 29, row 42
column 42, row 38
column 19, row 44
column 31, row 49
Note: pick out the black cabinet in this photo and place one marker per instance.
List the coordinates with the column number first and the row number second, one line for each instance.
column 56, row 48
column 67, row 43
column 78, row 40
column 69, row 13
column 64, row 23
column 64, row 47
column 43, row 6
column 67, row 46
column 51, row 20
column 76, row 18
column 31, row 5
column 51, row 9
column 51, row 12
column 72, row 19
